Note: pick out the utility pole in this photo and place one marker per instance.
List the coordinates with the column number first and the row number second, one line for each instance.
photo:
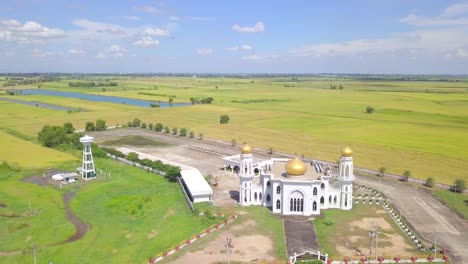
column 435, row 245
column 34, row 252
column 228, row 248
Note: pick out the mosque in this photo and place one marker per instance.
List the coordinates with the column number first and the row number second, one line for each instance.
column 290, row 186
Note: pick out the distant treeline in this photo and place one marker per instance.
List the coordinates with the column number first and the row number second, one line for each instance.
column 91, row 84
column 196, row 100
column 259, row 101
column 12, row 81
column 156, row 94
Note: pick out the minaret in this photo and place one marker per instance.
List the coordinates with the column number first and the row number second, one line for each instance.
column 246, row 175
column 346, row 179
column 87, row 168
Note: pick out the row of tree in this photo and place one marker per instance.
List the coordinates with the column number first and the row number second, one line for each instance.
column 159, row 127
column 91, row 84
column 458, row 185
column 171, row 172
column 100, row 125
column 196, row 100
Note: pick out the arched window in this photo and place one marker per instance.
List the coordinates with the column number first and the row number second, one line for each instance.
column 278, row 204
column 334, row 200
column 278, row 190
column 346, row 189
column 322, row 186
column 255, row 196
column 236, row 169
column 268, row 184
column 314, row 206
column 245, row 184
column 296, row 202
column 256, row 171
column 346, row 200
column 322, row 200
column 260, row 196
column 268, row 198
column 329, row 199
column 315, row 191
column 347, row 171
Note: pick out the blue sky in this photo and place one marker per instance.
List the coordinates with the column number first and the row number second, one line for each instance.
column 373, row 36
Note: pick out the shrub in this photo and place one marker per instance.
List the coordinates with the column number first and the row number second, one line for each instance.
column 150, row 126
column 158, row 127
column 224, row 119
column 174, row 131
column 167, row 129
column 132, row 156
column 100, row 125
column 200, row 136
column 430, row 182
column 90, row 126
column 191, row 134
column 136, row 122
column 183, row 132
column 370, row 110
column 129, row 124
column 143, row 125
column 69, row 129
column 459, row 186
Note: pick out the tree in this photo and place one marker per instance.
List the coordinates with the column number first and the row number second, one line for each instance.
column 158, row 127
column 136, row 122
column 132, row 156
column 406, row 175
column 340, row 87
column 90, row 126
column 167, row 129
column 430, row 182
column 459, row 186
column 171, row 100
column 370, row 109
column 183, row 132
column 172, row 173
column 191, row 134
column 174, row 131
column 69, row 129
column 52, row 136
column 200, row 136
column 100, row 125
column 270, row 150
column 129, row 124
column 382, row 171
column 224, row 119
column 143, row 125
column 233, row 142
column 150, row 126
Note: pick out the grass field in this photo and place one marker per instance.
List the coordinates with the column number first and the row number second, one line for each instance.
column 457, row 201
column 417, row 125
column 135, row 141
column 132, row 216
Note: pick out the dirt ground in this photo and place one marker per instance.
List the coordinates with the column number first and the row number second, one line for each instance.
column 251, row 247
column 388, row 241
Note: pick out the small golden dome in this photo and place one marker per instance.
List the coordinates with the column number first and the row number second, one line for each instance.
column 347, row 152
column 246, row 149
column 295, row 167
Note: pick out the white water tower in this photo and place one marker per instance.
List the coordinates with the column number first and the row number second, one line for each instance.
column 87, row 168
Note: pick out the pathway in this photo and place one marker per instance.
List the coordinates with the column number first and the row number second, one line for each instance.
column 300, row 235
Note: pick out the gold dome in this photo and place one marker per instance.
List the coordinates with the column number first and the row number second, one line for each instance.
column 246, row 149
column 347, row 152
column 295, row 167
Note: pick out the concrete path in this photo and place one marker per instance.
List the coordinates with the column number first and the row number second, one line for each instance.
column 300, row 236
column 427, row 215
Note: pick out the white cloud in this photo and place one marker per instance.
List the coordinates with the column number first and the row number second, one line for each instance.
column 239, row 48
column 258, row 27
column 147, row 9
column 462, row 53
column 455, row 10
column 205, row 51
column 155, row 31
column 42, row 54
column 146, row 42
column 257, row 57
column 134, row 18
column 100, row 55
column 30, row 31
column 174, row 18
column 75, row 51
column 99, row 27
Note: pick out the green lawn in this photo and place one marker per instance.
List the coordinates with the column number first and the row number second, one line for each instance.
column 135, row 141
column 132, row 216
column 456, row 201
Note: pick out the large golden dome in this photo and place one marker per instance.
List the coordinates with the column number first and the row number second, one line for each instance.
column 295, row 167
column 246, row 149
column 347, row 152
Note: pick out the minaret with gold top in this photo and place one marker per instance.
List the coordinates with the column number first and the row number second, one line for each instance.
column 246, row 175
column 346, row 179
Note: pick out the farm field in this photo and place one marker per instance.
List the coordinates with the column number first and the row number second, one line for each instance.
column 416, row 126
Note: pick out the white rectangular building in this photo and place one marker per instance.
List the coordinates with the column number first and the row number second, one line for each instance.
column 197, row 187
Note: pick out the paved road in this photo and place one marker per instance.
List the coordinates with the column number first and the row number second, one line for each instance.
column 427, row 215
column 300, row 236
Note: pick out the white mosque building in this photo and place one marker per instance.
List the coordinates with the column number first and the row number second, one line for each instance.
column 290, row 186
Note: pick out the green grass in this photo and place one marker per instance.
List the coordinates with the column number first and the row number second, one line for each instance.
column 456, row 201
column 133, row 215
column 135, row 141
column 416, row 123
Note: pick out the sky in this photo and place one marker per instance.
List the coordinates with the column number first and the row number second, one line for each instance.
column 242, row 36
